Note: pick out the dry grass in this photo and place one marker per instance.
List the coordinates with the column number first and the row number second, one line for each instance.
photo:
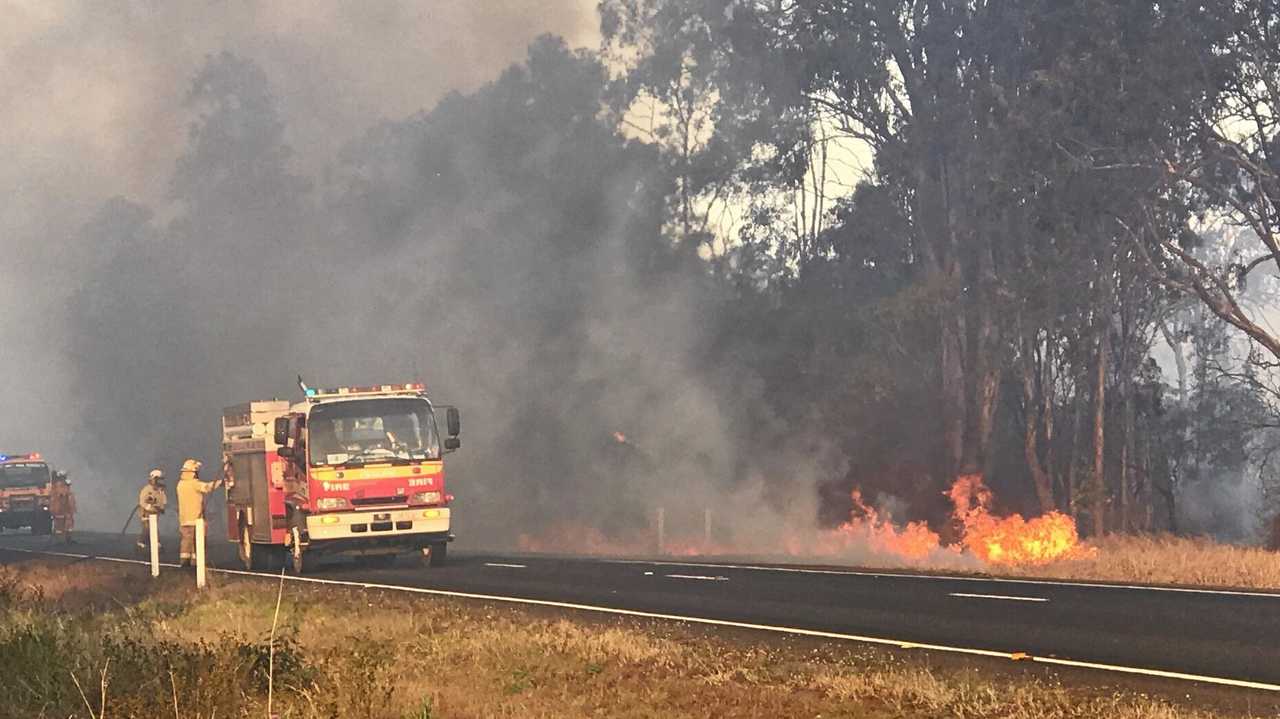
column 353, row 653
column 1168, row 560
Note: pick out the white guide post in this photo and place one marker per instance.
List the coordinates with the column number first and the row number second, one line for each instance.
column 153, row 520
column 200, row 553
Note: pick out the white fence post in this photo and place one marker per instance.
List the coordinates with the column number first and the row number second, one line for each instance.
column 200, row 553
column 662, row 541
column 154, row 520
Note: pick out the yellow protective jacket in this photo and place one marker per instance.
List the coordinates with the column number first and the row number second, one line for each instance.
column 151, row 500
column 191, row 493
column 61, row 502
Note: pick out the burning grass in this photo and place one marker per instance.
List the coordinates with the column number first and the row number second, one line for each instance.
column 353, row 653
column 869, row 537
column 1166, row 559
column 1047, row 546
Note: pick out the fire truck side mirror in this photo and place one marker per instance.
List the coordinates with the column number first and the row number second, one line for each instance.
column 282, row 431
column 285, row 452
column 454, row 421
column 451, row 443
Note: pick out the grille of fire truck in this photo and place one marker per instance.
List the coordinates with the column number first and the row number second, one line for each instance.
column 20, row 504
column 376, row 501
column 381, row 526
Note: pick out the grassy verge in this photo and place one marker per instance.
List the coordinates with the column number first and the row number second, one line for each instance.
column 1165, row 559
column 70, row 634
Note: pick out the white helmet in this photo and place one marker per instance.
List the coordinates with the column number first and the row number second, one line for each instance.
column 191, row 465
column 156, row 474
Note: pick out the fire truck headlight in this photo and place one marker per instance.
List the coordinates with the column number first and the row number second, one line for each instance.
column 425, row 498
column 327, row 504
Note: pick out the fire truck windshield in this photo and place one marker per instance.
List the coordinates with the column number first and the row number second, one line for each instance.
column 364, row 431
column 23, row 474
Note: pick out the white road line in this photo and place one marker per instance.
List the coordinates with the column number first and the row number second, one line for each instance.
column 1221, row 681
column 502, row 564
column 997, row 596
column 697, row 576
column 945, row 578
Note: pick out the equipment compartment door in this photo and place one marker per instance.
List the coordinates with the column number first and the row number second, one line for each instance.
column 251, row 489
column 261, row 500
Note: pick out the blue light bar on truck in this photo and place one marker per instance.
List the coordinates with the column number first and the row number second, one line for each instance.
column 412, row 387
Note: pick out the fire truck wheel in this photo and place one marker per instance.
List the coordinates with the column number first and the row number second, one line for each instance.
column 296, row 551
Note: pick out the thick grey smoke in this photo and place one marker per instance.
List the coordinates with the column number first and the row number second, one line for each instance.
column 96, row 102
column 266, row 192
column 375, row 199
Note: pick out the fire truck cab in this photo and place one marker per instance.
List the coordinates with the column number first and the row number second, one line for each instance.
column 354, row 470
column 24, row 493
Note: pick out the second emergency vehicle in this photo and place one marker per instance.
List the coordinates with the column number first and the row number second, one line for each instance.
column 24, row 492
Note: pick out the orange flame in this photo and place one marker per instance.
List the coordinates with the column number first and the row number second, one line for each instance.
column 1012, row 539
column 915, row 541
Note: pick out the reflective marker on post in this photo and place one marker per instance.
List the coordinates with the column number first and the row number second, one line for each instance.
column 200, row 553
column 154, row 520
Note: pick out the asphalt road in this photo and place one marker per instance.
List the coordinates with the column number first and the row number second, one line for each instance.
column 1233, row 635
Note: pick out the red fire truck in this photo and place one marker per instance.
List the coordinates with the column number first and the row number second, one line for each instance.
column 24, row 493
column 355, row 470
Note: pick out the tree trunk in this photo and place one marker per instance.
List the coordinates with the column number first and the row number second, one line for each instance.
column 1048, row 405
column 937, row 247
column 954, row 397
column 980, row 453
column 1127, row 455
column 1099, row 489
column 1171, row 507
column 1040, row 479
column 986, row 365
column 1073, row 461
column 1179, row 361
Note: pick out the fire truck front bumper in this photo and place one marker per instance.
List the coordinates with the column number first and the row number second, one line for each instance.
column 11, row 518
column 399, row 526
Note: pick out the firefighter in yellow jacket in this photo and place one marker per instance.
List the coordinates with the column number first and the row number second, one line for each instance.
column 62, row 506
column 191, row 495
column 151, row 503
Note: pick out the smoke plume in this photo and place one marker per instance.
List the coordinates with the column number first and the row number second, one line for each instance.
column 214, row 199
